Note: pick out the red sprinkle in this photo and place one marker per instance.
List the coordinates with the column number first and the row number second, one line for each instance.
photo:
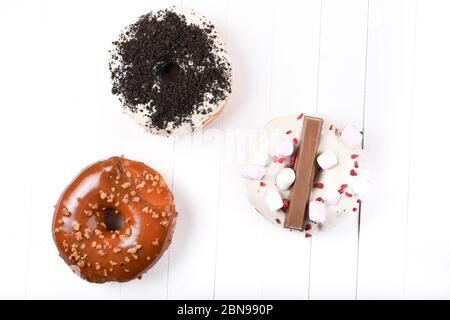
column 318, row 185
column 262, row 184
column 354, row 156
column 307, row 235
column 342, row 189
column 348, row 194
column 331, row 127
column 289, row 132
column 356, row 164
column 308, row 227
column 278, row 221
column 295, row 141
column 319, row 199
column 353, row 173
column 355, row 209
column 281, row 159
column 293, row 158
column 300, row 116
column 285, row 203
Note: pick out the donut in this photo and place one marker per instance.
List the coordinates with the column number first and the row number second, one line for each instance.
column 114, row 220
column 340, row 182
column 171, row 71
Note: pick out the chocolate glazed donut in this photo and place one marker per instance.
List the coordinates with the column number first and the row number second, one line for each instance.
column 114, row 221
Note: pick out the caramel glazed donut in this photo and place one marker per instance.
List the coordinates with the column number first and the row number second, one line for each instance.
column 114, row 221
column 171, row 71
column 339, row 186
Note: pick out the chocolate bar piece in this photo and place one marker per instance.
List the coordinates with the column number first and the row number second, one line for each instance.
column 305, row 167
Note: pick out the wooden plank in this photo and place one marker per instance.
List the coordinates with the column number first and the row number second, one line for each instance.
column 196, row 186
column 295, row 57
column 340, row 96
column 240, row 254
column 18, row 89
column 387, row 141
column 428, row 257
column 160, row 152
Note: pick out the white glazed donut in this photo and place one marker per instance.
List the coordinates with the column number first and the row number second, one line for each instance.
column 171, row 71
column 340, row 187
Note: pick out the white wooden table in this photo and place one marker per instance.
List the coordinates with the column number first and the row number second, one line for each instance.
column 381, row 65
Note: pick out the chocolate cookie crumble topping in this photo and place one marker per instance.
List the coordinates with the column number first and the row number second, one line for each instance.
column 169, row 70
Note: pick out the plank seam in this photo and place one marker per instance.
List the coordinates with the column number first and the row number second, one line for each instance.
column 171, row 186
column 216, row 252
column 318, row 57
column 269, row 104
column 317, row 109
column 363, row 128
column 410, row 145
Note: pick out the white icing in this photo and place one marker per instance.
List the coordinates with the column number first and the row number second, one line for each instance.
column 330, row 141
column 198, row 119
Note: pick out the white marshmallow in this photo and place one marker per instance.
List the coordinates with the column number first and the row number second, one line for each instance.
column 361, row 188
column 253, row 172
column 352, row 136
column 285, row 148
column 285, row 178
column 331, row 197
column 273, row 200
column 327, row 160
column 260, row 158
column 317, row 212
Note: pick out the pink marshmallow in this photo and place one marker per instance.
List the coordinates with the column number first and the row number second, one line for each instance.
column 317, row 212
column 253, row 172
column 285, row 148
column 331, row 197
column 351, row 136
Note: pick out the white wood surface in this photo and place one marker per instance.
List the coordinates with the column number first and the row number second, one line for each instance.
column 382, row 65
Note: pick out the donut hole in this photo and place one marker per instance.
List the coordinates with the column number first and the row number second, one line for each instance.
column 170, row 71
column 112, row 219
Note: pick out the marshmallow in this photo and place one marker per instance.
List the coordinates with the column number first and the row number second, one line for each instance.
column 285, row 178
column 317, row 212
column 331, row 197
column 327, row 160
column 285, row 148
column 361, row 188
column 273, row 200
column 352, row 137
column 253, row 172
column 260, row 158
